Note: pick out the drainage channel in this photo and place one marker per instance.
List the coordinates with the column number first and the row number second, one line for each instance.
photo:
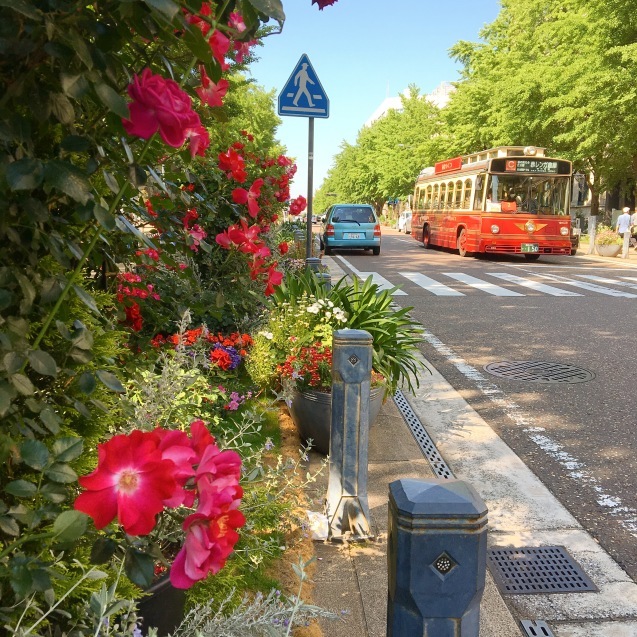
column 426, row 444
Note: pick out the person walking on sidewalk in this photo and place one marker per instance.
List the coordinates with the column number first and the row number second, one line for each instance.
column 633, row 229
column 623, row 228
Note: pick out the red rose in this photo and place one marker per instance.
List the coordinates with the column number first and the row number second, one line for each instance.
column 159, row 103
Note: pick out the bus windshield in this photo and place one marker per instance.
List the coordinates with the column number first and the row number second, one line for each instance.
column 545, row 195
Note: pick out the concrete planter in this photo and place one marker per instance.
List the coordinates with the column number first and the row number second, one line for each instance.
column 311, row 412
column 608, row 250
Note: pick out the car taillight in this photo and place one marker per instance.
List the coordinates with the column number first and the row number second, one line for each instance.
column 329, row 230
column 377, row 230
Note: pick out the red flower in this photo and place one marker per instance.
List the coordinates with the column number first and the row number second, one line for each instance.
column 233, row 164
column 210, row 93
column 283, row 247
column 219, row 44
column 159, row 103
column 134, row 317
column 323, row 3
column 241, row 195
column 132, row 482
column 199, row 140
column 274, row 278
column 297, row 206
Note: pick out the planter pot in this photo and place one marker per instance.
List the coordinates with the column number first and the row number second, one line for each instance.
column 163, row 608
column 608, row 251
column 311, row 412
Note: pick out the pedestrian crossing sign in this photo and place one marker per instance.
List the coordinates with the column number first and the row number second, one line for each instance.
column 303, row 95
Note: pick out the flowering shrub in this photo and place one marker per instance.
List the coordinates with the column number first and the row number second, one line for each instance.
column 607, row 236
column 310, row 368
column 141, row 474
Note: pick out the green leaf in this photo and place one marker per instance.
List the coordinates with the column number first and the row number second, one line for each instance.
column 28, row 291
column 42, row 362
column 74, row 85
column 111, row 182
column 103, row 549
column 75, row 144
column 80, row 46
column 34, row 454
column 60, row 472
column 24, row 174
column 67, row 448
column 86, row 298
column 87, row 383
column 13, row 362
column 271, row 8
column 9, row 526
column 82, row 337
column 110, row 380
column 22, row 384
column 81, row 355
column 7, row 393
column 137, row 176
column 67, row 178
column 62, row 108
column 70, row 525
column 139, row 567
column 113, row 100
column 167, row 7
column 82, row 409
column 194, row 40
column 50, row 420
column 54, row 492
column 21, row 488
column 104, row 217
column 23, row 7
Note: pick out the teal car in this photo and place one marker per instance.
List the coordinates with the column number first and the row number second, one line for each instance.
column 350, row 226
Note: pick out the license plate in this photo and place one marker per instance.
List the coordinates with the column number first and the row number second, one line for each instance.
column 353, row 235
column 530, row 247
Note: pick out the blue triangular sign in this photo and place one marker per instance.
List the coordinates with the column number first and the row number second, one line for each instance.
column 303, row 95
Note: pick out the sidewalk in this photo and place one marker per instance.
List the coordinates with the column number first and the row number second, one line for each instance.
column 522, row 513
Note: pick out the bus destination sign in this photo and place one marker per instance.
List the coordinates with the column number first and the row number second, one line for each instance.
column 531, row 166
column 448, row 165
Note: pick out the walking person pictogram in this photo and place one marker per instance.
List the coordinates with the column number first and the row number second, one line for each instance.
column 302, row 79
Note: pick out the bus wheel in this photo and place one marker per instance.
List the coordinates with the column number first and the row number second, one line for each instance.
column 531, row 257
column 426, row 239
column 462, row 243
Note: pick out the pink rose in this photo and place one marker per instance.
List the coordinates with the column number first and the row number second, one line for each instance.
column 159, row 103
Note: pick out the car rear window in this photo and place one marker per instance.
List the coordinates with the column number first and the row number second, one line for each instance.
column 360, row 215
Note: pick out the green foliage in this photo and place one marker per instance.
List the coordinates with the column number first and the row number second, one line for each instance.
column 607, row 236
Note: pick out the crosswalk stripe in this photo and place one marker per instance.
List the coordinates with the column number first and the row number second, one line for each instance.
column 381, row 281
column 601, row 279
column 587, row 286
column 485, row 286
column 431, row 285
column 629, row 278
column 534, row 285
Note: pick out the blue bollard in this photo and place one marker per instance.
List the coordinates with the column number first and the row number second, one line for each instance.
column 437, row 556
column 347, row 509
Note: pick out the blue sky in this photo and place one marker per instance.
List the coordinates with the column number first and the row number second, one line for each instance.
column 363, row 51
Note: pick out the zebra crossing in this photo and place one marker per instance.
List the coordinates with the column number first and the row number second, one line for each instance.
column 440, row 286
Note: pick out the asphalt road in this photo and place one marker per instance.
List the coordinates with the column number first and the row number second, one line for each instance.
column 579, row 438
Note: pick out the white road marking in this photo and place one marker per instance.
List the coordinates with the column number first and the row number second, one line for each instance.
column 601, row 279
column 431, row 285
column 588, row 286
column 574, row 467
column 485, row 286
column 534, row 285
column 381, row 281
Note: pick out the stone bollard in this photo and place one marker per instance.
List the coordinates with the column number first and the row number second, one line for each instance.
column 346, row 508
column 437, row 556
column 313, row 263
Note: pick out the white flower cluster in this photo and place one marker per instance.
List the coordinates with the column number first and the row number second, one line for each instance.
column 330, row 311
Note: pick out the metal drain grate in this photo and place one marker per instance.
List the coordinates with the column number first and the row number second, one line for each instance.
column 539, row 372
column 530, row 570
column 536, row 629
column 425, row 443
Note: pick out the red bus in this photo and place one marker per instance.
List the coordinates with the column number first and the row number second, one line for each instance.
column 505, row 200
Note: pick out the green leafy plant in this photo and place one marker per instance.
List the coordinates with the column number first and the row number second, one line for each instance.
column 607, row 236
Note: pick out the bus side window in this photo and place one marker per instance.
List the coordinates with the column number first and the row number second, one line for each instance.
column 434, row 202
column 478, row 203
column 457, row 195
column 428, row 198
column 449, row 195
column 467, row 194
column 443, row 196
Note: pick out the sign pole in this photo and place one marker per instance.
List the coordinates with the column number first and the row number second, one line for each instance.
column 310, row 185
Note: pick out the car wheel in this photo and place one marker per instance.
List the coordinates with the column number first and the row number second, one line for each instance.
column 375, row 251
column 328, row 250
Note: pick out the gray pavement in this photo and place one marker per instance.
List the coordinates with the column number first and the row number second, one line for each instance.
column 522, row 513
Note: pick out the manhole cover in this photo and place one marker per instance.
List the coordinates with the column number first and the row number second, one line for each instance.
column 544, row 569
column 539, row 372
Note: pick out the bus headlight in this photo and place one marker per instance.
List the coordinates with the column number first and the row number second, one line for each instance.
column 563, row 231
column 495, row 229
column 530, row 226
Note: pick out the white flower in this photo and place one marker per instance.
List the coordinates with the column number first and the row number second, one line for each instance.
column 314, row 308
column 267, row 335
